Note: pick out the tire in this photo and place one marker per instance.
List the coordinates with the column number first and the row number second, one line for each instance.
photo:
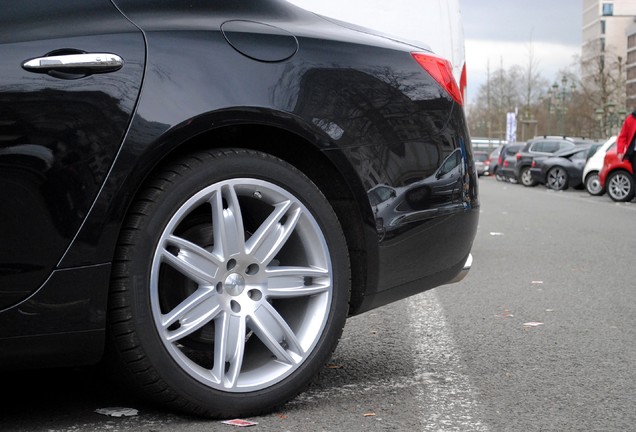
column 231, row 285
column 557, row 178
column 525, row 177
column 620, row 186
column 593, row 184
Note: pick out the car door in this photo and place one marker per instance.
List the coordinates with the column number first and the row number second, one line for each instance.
column 578, row 160
column 70, row 75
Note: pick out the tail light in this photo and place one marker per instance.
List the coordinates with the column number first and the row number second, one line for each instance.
column 441, row 71
column 462, row 82
column 505, row 164
column 518, row 156
column 534, row 164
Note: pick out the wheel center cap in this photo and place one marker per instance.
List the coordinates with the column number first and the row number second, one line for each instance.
column 234, row 284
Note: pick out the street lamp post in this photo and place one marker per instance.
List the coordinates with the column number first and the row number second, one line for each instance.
column 527, row 122
column 560, row 95
column 609, row 120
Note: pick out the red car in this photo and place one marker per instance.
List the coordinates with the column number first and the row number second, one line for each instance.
column 617, row 177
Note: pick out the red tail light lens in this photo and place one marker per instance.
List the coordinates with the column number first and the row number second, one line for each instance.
column 534, row 164
column 463, row 83
column 518, row 156
column 441, row 71
column 506, row 163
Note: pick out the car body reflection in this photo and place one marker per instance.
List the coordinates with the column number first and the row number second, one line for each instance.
column 397, row 207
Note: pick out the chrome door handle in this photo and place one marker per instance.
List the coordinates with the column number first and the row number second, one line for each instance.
column 76, row 63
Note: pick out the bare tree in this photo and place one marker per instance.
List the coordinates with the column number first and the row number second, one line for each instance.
column 508, row 90
column 602, row 88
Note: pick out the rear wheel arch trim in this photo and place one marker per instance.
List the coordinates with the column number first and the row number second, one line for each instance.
column 182, row 139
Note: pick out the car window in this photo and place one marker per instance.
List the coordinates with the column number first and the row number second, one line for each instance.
column 453, row 161
column 380, row 194
column 593, row 149
column 482, row 157
column 565, row 145
column 579, row 155
column 551, row 146
column 544, row 147
column 512, row 150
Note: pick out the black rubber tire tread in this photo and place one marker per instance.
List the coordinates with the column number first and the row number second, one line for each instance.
column 126, row 355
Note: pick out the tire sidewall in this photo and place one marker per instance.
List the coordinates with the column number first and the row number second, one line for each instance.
column 207, row 171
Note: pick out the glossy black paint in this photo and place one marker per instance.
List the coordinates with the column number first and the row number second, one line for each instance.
column 350, row 109
column 58, row 135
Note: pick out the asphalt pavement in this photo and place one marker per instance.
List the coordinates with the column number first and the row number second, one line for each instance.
column 539, row 337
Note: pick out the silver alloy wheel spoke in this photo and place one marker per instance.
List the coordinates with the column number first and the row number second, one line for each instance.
column 250, row 286
column 229, row 348
column 227, row 222
column 554, row 178
column 620, row 186
column 271, row 236
column 191, row 260
column 290, row 282
column 192, row 313
column 275, row 334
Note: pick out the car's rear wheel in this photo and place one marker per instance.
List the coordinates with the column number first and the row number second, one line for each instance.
column 593, row 184
column 525, row 177
column 557, row 178
column 231, row 284
column 620, row 186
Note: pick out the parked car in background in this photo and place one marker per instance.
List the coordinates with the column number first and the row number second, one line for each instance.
column 541, row 146
column 617, row 178
column 507, row 161
column 594, row 165
column 184, row 191
column 493, row 165
column 564, row 168
column 482, row 162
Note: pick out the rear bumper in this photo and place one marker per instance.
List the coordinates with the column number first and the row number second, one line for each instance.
column 464, row 271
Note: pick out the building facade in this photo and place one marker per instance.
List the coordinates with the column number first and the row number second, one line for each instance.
column 631, row 67
column 608, row 58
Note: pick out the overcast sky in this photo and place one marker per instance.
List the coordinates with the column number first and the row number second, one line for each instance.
column 500, row 31
column 497, row 32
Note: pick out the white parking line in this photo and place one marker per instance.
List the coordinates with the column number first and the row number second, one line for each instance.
column 447, row 398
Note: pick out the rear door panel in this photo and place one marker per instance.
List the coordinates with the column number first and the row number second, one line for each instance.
column 59, row 133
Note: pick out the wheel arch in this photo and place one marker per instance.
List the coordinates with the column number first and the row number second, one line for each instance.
column 313, row 155
column 304, row 146
column 589, row 173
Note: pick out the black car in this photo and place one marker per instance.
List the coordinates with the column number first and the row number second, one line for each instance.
column 542, row 147
column 184, row 191
column 564, row 169
column 507, row 162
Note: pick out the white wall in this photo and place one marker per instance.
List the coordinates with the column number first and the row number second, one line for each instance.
column 435, row 23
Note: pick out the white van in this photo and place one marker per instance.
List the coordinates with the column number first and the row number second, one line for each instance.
column 436, row 24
